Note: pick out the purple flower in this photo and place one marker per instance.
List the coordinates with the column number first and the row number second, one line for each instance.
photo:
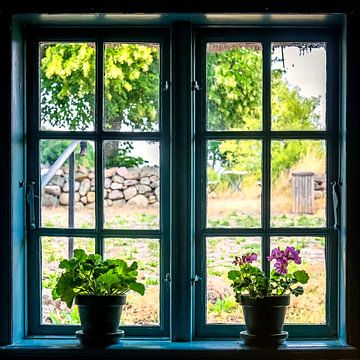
column 248, row 258
column 281, row 267
column 292, row 254
column 275, row 254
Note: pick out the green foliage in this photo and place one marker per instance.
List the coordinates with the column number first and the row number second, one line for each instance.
column 51, row 150
column 251, row 280
column 234, row 88
column 90, row 275
column 67, row 74
column 120, row 157
column 131, row 85
column 68, row 85
column 131, row 101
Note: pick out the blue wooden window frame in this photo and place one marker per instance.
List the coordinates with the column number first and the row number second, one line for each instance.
column 266, row 135
column 99, row 233
column 183, row 135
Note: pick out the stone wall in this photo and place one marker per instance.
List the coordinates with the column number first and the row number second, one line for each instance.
column 139, row 187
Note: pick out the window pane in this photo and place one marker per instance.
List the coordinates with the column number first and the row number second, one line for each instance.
column 132, row 85
column 234, row 183
column 59, row 191
column 67, row 86
column 234, row 86
column 298, row 183
column 308, row 308
column 53, row 250
column 139, row 310
column 220, row 253
column 298, row 86
column 131, row 184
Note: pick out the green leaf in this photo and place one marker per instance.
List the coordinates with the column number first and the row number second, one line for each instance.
column 137, row 287
column 297, row 291
column 108, row 279
column 301, row 276
column 233, row 274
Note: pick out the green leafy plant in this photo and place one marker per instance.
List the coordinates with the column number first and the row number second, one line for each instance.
column 284, row 279
column 90, row 275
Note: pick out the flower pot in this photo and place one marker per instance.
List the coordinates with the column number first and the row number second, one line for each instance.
column 264, row 319
column 100, row 318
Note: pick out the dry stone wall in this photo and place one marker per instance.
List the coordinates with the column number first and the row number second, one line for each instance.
column 138, row 187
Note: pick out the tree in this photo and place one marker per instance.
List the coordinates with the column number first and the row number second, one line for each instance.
column 131, row 98
column 131, row 88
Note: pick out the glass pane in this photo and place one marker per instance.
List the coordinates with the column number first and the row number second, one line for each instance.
column 132, row 86
column 298, row 183
column 53, row 250
column 234, row 183
column 220, row 253
column 139, row 310
column 234, row 86
column 67, row 183
column 131, row 184
column 310, row 307
column 67, row 86
column 298, row 86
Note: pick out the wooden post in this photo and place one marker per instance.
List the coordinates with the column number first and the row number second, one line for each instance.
column 303, row 192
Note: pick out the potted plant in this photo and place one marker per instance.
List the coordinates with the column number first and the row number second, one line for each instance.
column 99, row 289
column 264, row 299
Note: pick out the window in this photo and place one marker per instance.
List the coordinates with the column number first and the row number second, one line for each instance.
column 104, row 167
column 100, row 159
column 263, row 134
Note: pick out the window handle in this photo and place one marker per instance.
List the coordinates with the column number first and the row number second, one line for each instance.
column 30, row 198
column 336, row 202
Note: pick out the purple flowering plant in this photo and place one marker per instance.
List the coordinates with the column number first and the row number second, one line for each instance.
column 285, row 277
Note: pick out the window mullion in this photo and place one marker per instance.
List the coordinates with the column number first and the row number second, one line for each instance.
column 99, row 88
column 182, row 180
column 266, row 166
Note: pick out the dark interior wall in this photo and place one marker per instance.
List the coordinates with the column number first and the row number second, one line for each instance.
column 351, row 111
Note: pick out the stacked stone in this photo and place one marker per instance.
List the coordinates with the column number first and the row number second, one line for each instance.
column 137, row 187
column 319, row 186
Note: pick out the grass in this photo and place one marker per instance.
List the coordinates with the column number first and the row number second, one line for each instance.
column 238, row 210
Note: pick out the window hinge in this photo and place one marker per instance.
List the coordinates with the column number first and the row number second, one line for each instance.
column 167, row 279
column 336, row 202
column 195, row 279
column 166, row 86
column 195, row 86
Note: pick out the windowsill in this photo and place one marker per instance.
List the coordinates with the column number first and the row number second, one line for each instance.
column 65, row 347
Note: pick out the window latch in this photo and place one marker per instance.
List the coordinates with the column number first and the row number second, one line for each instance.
column 30, row 198
column 195, row 279
column 336, row 202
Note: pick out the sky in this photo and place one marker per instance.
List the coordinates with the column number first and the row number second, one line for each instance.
column 308, row 72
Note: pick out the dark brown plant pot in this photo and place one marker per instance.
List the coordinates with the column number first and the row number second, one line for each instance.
column 100, row 318
column 264, row 319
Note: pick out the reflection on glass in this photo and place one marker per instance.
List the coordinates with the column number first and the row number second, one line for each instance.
column 298, row 183
column 308, row 308
column 67, row 183
column 53, row 250
column 131, row 184
column 234, row 183
column 139, row 310
column 220, row 253
column 298, row 86
column 132, row 84
column 67, row 86
column 234, row 86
